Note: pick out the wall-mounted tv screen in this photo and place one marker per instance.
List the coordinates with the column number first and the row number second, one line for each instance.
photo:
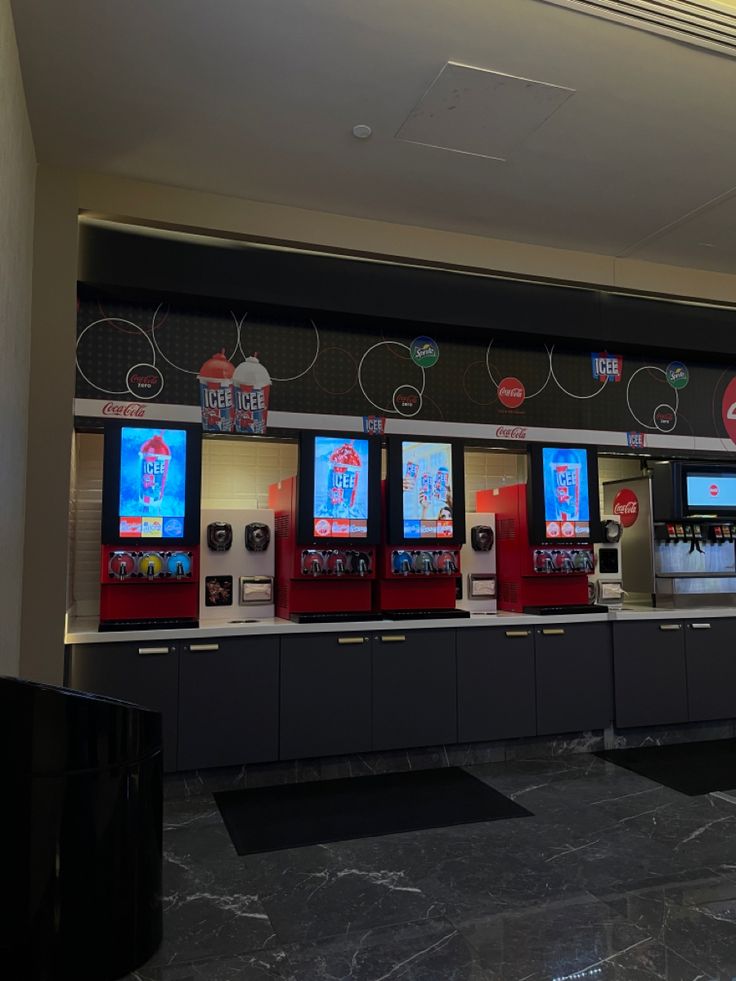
column 151, row 484
column 339, row 488
column 710, row 490
column 426, row 489
column 563, row 484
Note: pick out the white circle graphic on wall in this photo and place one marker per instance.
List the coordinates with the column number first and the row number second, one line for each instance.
column 144, row 381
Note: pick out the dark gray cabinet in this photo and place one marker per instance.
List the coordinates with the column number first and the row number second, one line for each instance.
column 711, row 669
column 414, row 688
column 495, row 684
column 574, row 677
column 228, row 702
column 146, row 673
column 325, row 695
column 650, row 677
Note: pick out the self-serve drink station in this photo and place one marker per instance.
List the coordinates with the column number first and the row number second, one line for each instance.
column 545, row 531
column 327, row 526
column 423, row 530
column 149, row 568
column 679, row 542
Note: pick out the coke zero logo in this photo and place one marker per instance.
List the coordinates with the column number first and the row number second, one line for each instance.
column 144, row 381
column 511, row 432
column 511, row 392
column 626, row 506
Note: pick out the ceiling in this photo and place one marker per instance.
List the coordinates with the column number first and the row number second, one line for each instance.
column 258, row 99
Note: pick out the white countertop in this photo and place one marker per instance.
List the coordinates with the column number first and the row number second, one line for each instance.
column 85, row 630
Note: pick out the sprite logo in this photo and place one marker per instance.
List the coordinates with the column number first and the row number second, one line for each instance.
column 677, row 374
column 424, row 352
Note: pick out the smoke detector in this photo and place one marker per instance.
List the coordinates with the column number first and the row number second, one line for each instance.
column 709, row 24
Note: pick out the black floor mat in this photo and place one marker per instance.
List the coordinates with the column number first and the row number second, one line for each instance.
column 288, row 816
column 691, row 768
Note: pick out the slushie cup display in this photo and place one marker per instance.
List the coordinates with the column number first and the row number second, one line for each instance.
column 216, row 394
column 252, row 389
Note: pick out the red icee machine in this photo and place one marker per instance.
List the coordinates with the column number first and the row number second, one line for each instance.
column 545, row 530
column 327, row 523
column 149, row 568
column 419, row 562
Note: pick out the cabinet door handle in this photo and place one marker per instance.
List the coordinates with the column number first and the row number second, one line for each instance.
column 153, row 650
column 700, row 626
column 517, row 633
column 552, row 631
column 351, row 640
column 393, row 638
column 202, row 648
column 670, row 626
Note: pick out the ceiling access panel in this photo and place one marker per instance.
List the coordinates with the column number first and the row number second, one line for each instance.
column 480, row 112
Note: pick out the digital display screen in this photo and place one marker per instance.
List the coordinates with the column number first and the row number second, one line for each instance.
column 711, row 491
column 566, row 495
column 340, row 487
column 426, row 474
column 153, row 467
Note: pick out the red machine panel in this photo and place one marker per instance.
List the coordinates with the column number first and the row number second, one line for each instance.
column 312, row 578
column 148, row 583
column 416, row 577
column 531, row 575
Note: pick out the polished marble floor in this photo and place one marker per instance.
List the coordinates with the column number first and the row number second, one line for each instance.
column 614, row 877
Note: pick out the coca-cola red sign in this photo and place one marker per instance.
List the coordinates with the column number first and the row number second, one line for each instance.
column 728, row 409
column 511, row 432
column 626, row 506
column 511, row 392
column 126, row 409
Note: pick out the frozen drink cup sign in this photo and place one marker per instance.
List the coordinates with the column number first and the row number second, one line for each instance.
column 566, row 484
column 252, row 391
column 216, row 394
column 155, row 457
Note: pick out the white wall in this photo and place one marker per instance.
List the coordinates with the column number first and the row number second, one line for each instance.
column 17, row 180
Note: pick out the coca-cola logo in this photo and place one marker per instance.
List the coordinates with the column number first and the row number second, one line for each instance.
column 511, row 432
column 713, row 490
column 511, row 392
column 126, row 409
column 728, row 409
column 626, row 507
column 144, row 381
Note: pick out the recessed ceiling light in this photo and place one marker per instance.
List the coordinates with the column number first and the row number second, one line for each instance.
column 362, row 131
column 707, row 245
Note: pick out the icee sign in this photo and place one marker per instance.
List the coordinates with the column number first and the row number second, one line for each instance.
column 607, row 367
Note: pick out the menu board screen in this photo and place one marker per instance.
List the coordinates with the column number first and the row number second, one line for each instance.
column 153, row 468
column 427, row 482
column 566, row 492
column 711, row 491
column 341, row 477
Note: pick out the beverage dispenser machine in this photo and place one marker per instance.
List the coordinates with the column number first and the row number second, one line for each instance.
column 545, row 531
column 327, row 524
column 419, row 560
column 149, row 565
column 679, row 545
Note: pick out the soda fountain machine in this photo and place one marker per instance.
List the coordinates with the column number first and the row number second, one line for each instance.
column 419, row 560
column 150, row 525
column 545, row 531
column 679, row 538
column 478, row 558
column 237, row 564
column 327, row 524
